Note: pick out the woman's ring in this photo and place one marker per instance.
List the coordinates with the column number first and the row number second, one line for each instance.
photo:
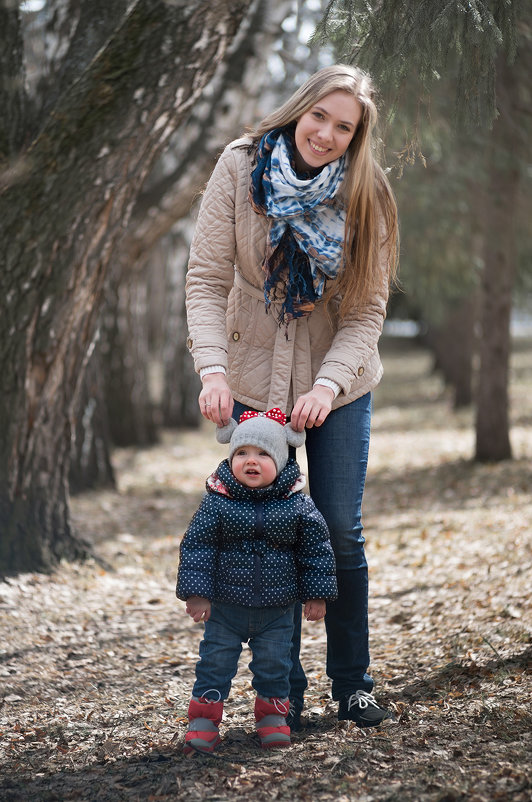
column 207, row 405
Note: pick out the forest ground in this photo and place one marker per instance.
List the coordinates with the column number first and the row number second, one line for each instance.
column 97, row 659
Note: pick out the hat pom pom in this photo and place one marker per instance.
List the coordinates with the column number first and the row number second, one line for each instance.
column 294, row 438
column 223, row 433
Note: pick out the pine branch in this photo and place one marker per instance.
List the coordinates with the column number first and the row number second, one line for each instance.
column 397, row 40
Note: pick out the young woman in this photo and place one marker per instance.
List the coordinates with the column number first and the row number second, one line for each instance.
column 290, row 266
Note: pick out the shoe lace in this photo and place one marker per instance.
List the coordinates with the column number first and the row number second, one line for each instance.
column 362, row 699
column 292, row 712
column 282, row 707
column 211, row 701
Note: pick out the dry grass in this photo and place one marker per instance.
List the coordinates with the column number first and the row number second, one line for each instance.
column 96, row 663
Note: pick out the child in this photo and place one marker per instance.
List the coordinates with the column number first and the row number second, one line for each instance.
column 255, row 546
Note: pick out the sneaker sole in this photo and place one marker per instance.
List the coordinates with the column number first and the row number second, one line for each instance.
column 385, row 722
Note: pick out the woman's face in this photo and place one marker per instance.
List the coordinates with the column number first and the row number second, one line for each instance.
column 323, row 133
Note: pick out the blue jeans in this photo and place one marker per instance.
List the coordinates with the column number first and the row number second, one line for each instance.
column 269, row 632
column 337, row 455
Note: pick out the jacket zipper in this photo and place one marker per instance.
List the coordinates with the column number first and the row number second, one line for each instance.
column 257, row 572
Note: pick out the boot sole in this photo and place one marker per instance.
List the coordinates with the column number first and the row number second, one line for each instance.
column 199, row 745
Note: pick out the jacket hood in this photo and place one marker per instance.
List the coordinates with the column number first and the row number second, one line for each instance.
column 289, row 481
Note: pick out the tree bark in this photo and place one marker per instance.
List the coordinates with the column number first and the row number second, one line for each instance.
column 63, row 207
column 492, row 416
column 12, row 92
column 90, row 458
column 181, row 385
column 453, row 346
column 95, row 23
column 125, row 361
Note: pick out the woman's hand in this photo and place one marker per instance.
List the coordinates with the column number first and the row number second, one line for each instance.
column 314, row 609
column 198, row 608
column 312, row 408
column 215, row 399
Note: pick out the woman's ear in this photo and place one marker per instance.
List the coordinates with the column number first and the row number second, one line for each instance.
column 223, row 433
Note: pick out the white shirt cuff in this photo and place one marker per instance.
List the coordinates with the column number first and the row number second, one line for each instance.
column 212, row 369
column 330, row 383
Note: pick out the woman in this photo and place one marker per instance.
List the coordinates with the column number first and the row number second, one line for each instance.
column 290, row 267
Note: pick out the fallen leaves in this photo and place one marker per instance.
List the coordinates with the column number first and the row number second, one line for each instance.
column 96, row 665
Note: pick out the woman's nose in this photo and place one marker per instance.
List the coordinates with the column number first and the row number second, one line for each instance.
column 325, row 132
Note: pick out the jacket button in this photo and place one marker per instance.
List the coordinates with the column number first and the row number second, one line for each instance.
column 189, row 342
column 360, row 371
column 235, row 336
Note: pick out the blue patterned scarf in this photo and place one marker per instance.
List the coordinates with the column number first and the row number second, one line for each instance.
column 305, row 240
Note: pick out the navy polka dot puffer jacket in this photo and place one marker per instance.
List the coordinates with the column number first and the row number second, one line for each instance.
column 257, row 547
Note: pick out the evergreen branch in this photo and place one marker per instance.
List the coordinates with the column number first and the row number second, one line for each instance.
column 396, row 39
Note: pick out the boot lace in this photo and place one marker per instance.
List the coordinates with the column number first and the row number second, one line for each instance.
column 211, row 701
column 281, row 707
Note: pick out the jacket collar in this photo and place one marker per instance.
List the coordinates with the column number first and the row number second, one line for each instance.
column 289, row 481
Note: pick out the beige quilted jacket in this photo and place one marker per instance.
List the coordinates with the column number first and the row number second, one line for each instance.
column 267, row 365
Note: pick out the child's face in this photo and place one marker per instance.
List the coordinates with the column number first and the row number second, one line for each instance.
column 253, row 467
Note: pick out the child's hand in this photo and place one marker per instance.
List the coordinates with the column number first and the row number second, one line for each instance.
column 314, row 609
column 198, row 608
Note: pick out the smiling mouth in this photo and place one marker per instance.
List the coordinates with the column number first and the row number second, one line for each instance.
column 317, row 148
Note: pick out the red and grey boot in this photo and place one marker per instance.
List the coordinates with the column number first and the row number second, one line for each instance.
column 270, row 722
column 204, row 716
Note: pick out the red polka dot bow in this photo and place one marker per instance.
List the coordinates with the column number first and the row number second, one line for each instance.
column 274, row 414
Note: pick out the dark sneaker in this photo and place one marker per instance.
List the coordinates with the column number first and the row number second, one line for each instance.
column 293, row 717
column 362, row 708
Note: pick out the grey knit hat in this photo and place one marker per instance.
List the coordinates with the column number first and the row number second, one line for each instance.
column 266, row 430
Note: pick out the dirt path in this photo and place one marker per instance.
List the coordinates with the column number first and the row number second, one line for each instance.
column 96, row 663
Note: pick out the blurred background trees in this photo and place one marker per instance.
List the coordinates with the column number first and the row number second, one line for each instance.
column 111, row 118
column 458, row 80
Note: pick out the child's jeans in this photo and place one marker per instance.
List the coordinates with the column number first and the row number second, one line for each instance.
column 269, row 632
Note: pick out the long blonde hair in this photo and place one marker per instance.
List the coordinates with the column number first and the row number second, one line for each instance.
column 371, row 212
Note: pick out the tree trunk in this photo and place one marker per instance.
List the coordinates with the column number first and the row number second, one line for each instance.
column 453, row 345
column 12, row 74
column 125, row 361
column 181, row 385
column 90, row 460
column 492, row 417
column 63, row 206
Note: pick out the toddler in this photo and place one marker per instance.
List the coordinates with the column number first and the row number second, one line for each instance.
column 255, row 546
